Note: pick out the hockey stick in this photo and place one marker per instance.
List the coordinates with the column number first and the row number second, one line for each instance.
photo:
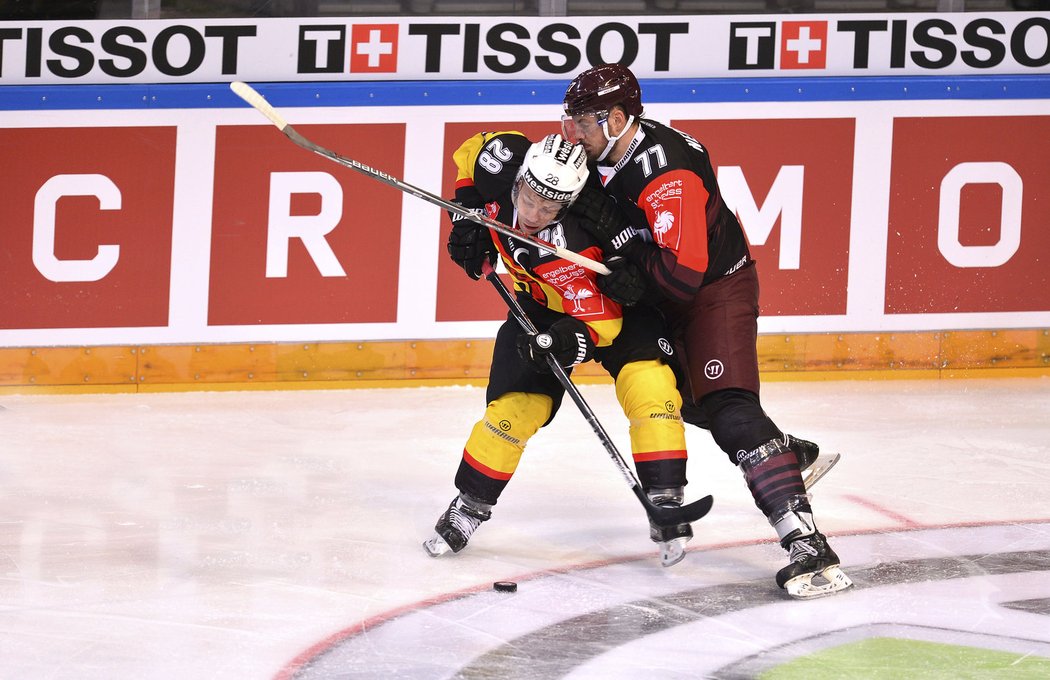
column 661, row 516
column 250, row 95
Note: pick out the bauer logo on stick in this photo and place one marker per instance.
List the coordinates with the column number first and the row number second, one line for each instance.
column 248, row 94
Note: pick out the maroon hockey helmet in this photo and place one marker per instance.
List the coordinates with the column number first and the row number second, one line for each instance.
column 602, row 87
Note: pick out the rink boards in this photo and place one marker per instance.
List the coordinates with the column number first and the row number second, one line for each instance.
column 816, row 356
column 168, row 235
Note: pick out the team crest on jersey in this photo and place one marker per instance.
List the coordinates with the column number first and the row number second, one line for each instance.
column 663, row 223
column 571, row 282
column 666, row 205
column 492, row 210
column 577, row 296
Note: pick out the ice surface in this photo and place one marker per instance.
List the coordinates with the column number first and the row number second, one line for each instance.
column 266, row 534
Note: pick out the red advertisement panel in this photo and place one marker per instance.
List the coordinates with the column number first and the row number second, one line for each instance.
column 85, row 233
column 459, row 297
column 299, row 239
column 969, row 209
column 799, row 177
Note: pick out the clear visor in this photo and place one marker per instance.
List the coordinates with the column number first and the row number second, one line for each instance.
column 575, row 128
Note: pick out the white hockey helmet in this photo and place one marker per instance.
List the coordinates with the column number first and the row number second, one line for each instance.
column 555, row 169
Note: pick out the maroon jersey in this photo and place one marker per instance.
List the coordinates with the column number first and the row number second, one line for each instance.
column 665, row 181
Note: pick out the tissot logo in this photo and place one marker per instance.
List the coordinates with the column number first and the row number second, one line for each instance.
column 373, row 48
column 928, row 44
column 752, row 45
column 804, row 44
column 322, row 49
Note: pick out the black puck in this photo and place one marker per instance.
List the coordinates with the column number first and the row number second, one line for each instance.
column 505, row 586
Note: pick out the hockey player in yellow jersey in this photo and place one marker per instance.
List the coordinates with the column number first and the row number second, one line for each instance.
column 530, row 187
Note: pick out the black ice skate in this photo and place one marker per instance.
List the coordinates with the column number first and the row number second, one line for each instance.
column 456, row 525
column 671, row 540
column 807, row 453
column 814, row 569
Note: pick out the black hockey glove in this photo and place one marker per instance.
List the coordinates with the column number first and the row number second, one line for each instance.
column 602, row 217
column 469, row 245
column 626, row 283
column 567, row 340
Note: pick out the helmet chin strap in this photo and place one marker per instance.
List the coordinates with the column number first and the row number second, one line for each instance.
column 613, row 140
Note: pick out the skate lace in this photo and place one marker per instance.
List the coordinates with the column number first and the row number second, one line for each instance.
column 801, row 550
column 463, row 522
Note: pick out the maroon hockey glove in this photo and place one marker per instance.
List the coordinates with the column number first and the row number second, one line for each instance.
column 567, row 340
column 626, row 283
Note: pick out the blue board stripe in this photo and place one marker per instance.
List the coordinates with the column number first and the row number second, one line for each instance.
column 482, row 92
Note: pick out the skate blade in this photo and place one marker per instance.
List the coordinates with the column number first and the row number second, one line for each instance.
column 436, row 546
column 830, row 581
column 672, row 552
column 821, row 467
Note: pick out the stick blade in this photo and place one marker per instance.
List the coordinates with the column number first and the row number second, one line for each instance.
column 669, row 517
column 252, row 96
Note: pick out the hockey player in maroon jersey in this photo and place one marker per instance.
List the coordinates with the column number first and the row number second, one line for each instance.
column 694, row 256
column 530, row 186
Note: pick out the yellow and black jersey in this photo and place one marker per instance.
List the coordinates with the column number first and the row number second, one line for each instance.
column 487, row 167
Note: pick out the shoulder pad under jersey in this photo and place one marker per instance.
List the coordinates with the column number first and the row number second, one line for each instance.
column 491, row 161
